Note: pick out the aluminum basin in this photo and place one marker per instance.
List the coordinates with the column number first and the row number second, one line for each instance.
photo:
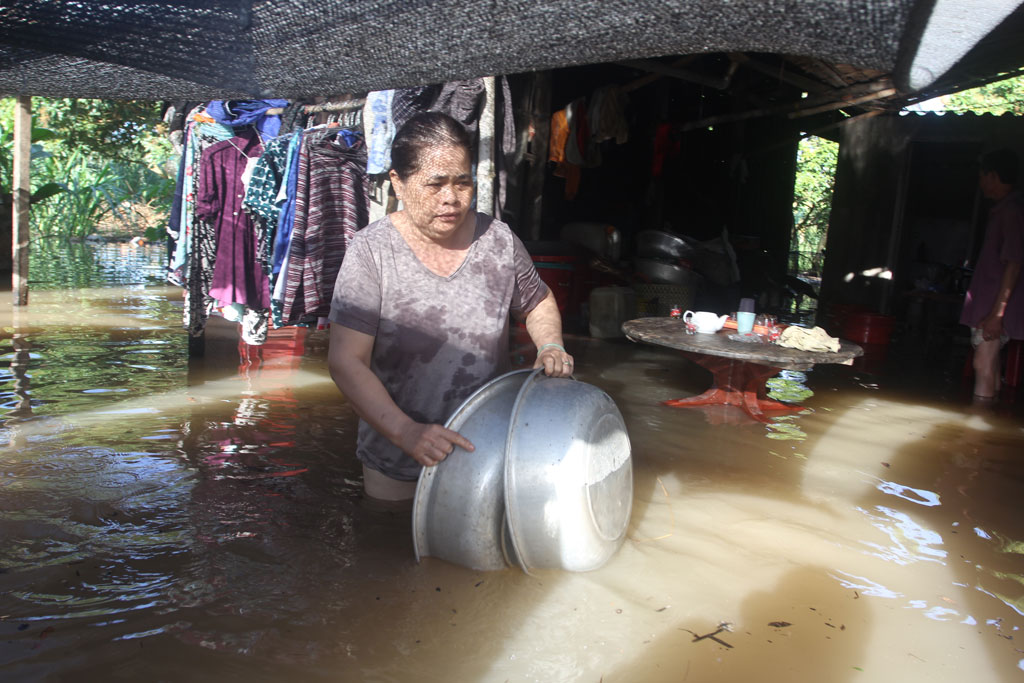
column 568, row 476
column 459, row 509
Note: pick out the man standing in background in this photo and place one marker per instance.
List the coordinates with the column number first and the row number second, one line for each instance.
column 994, row 307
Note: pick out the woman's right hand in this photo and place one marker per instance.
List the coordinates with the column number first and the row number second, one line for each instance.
column 429, row 444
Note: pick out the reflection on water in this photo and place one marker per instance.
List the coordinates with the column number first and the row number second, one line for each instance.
column 789, row 386
column 55, row 265
column 203, row 520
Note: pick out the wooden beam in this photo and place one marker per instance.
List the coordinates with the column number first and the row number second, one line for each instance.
column 847, row 102
column 779, row 73
column 837, row 99
column 22, row 196
column 644, row 81
column 682, row 74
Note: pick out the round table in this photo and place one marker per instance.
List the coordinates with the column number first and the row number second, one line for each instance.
column 739, row 369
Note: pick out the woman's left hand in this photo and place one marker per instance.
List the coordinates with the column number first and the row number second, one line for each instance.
column 556, row 363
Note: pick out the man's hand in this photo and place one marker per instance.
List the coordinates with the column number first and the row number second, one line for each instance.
column 991, row 327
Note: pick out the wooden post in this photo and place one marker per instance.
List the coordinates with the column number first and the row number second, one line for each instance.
column 22, row 194
column 485, row 155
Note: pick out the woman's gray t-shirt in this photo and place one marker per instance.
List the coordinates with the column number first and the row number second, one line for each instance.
column 437, row 339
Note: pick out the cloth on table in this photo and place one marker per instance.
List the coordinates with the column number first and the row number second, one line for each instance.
column 814, row 339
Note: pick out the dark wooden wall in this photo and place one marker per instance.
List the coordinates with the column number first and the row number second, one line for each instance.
column 734, row 177
column 906, row 201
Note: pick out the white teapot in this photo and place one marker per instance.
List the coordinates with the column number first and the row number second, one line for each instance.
column 706, row 322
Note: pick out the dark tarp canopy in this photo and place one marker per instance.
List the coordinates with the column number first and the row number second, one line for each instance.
column 205, row 49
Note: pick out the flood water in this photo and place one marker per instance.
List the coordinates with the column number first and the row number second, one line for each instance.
column 168, row 520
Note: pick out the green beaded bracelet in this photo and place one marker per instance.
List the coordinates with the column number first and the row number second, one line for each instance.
column 557, row 346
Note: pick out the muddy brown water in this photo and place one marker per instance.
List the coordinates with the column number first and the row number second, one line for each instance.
column 162, row 520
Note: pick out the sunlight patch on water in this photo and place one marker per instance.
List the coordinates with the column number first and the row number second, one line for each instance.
column 864, row 585
column 171, row 401
column 919, row 496
column 934, row 612
column 911, row 542
column 127, row 411
column 1014, row 603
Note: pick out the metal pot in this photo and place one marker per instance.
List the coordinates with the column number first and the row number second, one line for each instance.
column 659, row 244
column 568, row 475
column 459, row 509
column 663, row 273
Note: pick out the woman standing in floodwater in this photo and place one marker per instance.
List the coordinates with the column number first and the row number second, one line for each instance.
column 421, row 308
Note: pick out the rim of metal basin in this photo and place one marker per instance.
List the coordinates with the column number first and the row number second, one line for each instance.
column 568, row 476
column 459, row 506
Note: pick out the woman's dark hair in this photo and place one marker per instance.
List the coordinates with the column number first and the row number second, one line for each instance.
column 421, row 132
column 1003, row 162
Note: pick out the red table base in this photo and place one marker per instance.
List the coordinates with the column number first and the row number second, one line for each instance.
column 736, row 383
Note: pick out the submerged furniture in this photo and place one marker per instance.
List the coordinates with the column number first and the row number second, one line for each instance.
column 739, row 369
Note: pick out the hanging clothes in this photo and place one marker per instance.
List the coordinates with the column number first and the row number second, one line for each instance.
column 666, row 147
column 378, row 131
column 505, row 132
column 208, row 234
column 607, row 115
column 201, row 131
column 407, row 102
column 192, row 263
column 286, row 198
column 263, row 224
column 331, row 204
column 557, row 144
column 174, row 220
column 242, row 113
column 261, row 196
column 226, row 166
column 464, row 102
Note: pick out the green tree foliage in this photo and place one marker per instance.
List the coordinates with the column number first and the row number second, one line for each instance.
column 1002, row 97
column 40, row 191
column 130, row 131
column 104, row 162
column 812, row 202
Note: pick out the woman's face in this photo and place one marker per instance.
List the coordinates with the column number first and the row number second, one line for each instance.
column 437, row 197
